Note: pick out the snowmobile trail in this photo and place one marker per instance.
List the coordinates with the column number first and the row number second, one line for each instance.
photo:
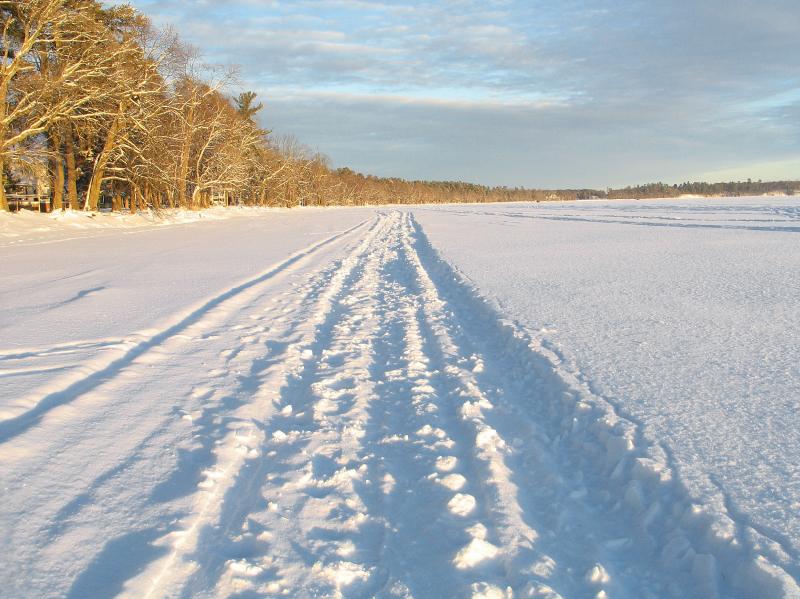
column 118, row 453
column 359, row 424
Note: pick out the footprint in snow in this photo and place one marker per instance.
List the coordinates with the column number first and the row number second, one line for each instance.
column 462, row 504
column 201, row 392
column 477, row 550
column 446, row 463
column 454, row 482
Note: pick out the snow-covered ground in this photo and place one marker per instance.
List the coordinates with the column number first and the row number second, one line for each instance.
column 580, row 399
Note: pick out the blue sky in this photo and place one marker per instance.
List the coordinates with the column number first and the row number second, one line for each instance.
column 542, row 93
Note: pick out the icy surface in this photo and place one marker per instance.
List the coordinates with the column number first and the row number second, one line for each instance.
column 314, row 403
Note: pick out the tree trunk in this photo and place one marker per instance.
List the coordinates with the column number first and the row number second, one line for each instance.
column 134, row 199
column 183, row 171
column 57, row 179
column 72, row 173
column 93, row 193
column 3, row 201
column 3, row 131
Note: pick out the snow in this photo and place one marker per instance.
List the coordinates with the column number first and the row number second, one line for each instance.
column 579, row 399
column 684, row 315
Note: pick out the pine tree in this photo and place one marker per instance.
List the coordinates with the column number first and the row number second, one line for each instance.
column 244, row 105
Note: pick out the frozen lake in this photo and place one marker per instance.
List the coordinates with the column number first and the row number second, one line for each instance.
column 539, row 399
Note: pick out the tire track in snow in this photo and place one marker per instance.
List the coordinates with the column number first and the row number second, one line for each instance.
column 311, row 447
column 424, row 454
column 503, row 533
column 198, row 547
column 25, row 412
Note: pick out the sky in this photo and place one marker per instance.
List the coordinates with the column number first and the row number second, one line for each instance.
column 536, row 93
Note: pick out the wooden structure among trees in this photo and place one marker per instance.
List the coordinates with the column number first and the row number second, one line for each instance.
column 30, row 197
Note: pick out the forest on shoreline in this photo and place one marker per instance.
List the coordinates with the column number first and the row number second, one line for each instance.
column 102, row 109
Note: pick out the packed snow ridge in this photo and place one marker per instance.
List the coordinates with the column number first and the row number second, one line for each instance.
column 355, row 420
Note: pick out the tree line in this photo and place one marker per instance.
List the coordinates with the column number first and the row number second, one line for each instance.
column 729, row 189
column 111, row 110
